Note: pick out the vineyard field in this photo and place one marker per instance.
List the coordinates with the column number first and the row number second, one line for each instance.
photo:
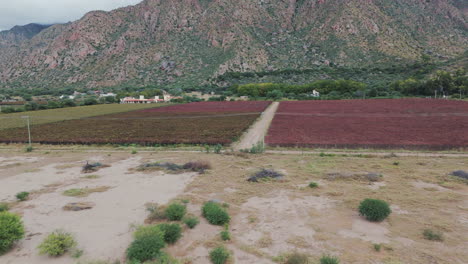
column 386, row 123
column 194, row 123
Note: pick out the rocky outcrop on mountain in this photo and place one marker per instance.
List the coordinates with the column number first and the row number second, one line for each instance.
column 186, row 43
column 18, row 34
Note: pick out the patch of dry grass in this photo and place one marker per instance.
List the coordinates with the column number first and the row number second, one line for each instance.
column 84, row 192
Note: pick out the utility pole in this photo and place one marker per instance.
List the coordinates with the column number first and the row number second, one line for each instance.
column 29, row 129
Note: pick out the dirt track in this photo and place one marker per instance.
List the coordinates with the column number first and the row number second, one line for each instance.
column 257, row 132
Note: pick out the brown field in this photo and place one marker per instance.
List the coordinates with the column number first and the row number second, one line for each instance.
column 270, row 219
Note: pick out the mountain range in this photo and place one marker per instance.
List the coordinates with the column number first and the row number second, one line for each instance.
column 190, row 43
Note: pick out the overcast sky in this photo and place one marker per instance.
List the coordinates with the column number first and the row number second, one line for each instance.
column 22, row 12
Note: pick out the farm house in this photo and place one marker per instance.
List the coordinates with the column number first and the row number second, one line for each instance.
column 141, row 100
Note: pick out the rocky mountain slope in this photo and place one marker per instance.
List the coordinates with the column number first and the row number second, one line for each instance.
column 187, row 43
column 18, row 34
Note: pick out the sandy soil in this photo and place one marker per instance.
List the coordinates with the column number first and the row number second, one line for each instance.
column 270, row 219
column 103, row 232
column 256, row 133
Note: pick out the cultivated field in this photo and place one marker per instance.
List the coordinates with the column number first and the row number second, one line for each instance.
column 55, row 115
column 271, row 220
column 195, row 123
column 405, row 123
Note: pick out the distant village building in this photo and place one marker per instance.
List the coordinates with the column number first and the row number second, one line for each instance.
column 75, row 94
column 67, row 97
column 141, row 100
column 107, row 95
column 315, row 93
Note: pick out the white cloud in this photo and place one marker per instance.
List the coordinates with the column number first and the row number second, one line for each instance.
column 21, row 12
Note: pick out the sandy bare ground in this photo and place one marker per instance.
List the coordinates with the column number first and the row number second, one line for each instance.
column 104, row 232
column 284, row 151
column 374, row 153
column 270, row 219
column 256, row 133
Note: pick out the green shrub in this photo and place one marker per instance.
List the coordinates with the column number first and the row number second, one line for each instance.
column 175, row 212
column 374, row 210
column 258, row 148
column 191, row 222
column 56, row 244
column 151, row 230
column 145, row 248
column 433, row 235
column 218, row 148
column 28, row 149
column 22, row 196
column 377, row 247
column 156, row 212
column 77, row 253
column 219, row 255
column 172, row 232
column 329, row 260
column 4, row 207
column 215, row 214
column 164, row 258
column 11, row 230
column 225, row 235
column 313, row 185
column 297, row 258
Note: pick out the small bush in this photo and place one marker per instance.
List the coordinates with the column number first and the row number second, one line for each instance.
column 198, row 166
column 172, row 232
column 460, row 174
column 145, row 248
column 29, row 149
column 377, row 247
column 225, row 235
column 265, row 174
column 219, row 255
column 134, row 152
column 56, row 244
column 164, row 258
column 4, row 207
column 297, row 258
column 374, row 210
column 168, row 166
column 191, row 222
column 151, row 230
column 22, row 196
column 258, row 148
column 87, row 168
column 77, row 253
column 207, row 148
column 218, row 148
column 433, row 235
column 329, row 260
column 373, row 177
column 215, row 214
column 11, row 230
column 396, row 163
column 156, row 212
column 313, row 185
column 175, row 212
